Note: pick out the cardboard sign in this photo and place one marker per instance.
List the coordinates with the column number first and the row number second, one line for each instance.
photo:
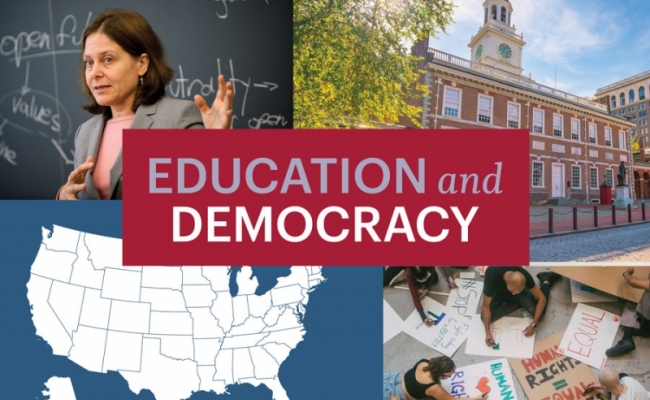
column 464, row 300
column 493, row 377
column 581, row 293
column 549, row 374
column 508, row 333
column 590, row 333
column 608, row 279
column 448, row 332
column 393, row 324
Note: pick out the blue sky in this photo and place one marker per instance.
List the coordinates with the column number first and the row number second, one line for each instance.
column 592, row 42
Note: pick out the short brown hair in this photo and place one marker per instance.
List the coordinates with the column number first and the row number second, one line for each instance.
column 132, row 32
column 438, row 366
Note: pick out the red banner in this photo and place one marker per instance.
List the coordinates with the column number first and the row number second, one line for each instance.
column 325, row 197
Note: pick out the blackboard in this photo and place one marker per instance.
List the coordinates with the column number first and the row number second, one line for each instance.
column 248, row 41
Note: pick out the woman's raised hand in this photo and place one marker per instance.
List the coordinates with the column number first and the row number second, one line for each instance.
column 219, row 116
column 76, row 179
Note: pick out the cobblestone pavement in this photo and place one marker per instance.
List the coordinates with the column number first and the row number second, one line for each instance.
column 623, row 244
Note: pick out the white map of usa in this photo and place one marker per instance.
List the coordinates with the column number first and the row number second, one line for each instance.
column 171, row 330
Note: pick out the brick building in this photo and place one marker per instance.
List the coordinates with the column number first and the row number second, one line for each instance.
column 630, row 99
column 575, row 144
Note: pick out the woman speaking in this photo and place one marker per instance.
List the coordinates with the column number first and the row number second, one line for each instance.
column 124, row 73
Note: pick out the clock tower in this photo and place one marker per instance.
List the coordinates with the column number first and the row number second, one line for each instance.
column 497, row 43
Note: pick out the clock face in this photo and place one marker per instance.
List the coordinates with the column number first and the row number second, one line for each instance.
column 479, row 51
column 505, row 50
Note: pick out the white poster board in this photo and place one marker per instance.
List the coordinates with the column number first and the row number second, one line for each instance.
column 464, row 300
column 393, row 324
column 508, row 333
column 448, row 333
column 586, row 294
column 493, row 377
column 590, row 333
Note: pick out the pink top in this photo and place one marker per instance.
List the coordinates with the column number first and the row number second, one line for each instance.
column 109, row 148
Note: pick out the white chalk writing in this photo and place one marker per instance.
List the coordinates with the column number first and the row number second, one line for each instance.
column 186, row 88
column 35, row 112
column 223, row 9
column 7, row 154
column 17, row 46
column 68, row 161
column 267, row 119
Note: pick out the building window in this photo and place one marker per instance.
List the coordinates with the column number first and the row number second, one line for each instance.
column 631, row 108
column 538, row 174
column 494, row 12
column 621, row 140
column 642, row 113
column 621, row 111
column 643, row 106
column 608, row 178
column 593, row 178
column 613, row 101
column 613, row 112
column 641, row 93
column 643, row 122
column 486, row 15
column 558, row 125
column 622, row 97
column 514, row 111
column 631, row 96
column 451, row 104
column 538, row 120
column 575, row 177
column 592, row 133
column 575, row 129
column 608, row 136
column 484, row 109
column 503, row 15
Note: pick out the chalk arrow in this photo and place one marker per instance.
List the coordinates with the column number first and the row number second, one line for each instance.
column 65, row 158
column 2, row 125
column 267, row 84
column 25, row 89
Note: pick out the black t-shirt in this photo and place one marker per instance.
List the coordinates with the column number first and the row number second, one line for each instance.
column 494, row 283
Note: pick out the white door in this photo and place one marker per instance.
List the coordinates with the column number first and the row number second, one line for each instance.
column 558, row 180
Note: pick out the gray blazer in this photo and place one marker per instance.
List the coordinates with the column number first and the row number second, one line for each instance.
column 167, row 113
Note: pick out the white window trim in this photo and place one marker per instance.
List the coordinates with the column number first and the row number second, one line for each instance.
column 533, row 121
column 444, row 100
column 478, row 108
column 622, row 146
column 578, row 139
column 561, row 125
column 532, row 176
column 518, row 114
column 579, row 177
column 589, row 124
column 597, row 178
column 611, row 137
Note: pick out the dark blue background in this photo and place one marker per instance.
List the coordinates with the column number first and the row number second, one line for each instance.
column 340, row 356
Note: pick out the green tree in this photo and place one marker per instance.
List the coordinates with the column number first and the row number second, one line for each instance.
column 351, row 65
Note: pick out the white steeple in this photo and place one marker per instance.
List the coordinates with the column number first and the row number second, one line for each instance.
column 497, row 43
